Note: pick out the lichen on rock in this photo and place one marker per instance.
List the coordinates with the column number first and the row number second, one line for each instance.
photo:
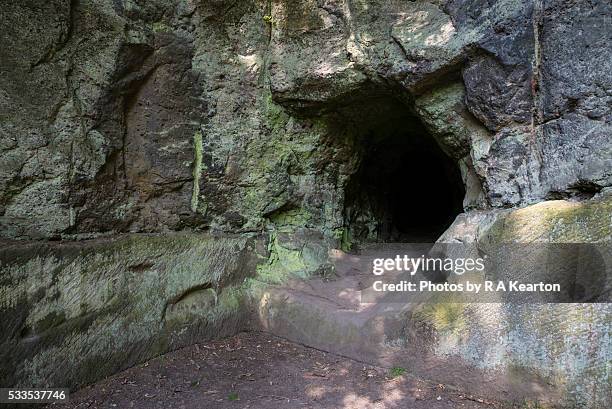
column 154, row 139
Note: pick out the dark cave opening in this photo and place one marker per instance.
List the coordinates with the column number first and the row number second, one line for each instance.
column 406, row 188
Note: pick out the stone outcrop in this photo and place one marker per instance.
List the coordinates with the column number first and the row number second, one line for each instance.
column 174, row 115
column 76, row 312
column 132, row 133
column 549, row 353
column 523, row 339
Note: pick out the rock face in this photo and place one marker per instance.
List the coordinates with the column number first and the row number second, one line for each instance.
column 545, row 352
column 245, row 117
column 173, row 115
column 527, row 339
column 74, row 313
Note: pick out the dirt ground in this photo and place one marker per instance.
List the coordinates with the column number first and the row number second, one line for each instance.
column 257, row 370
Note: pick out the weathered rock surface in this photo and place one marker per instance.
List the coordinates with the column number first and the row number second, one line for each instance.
column 171, row 115
column 565, row 344
column 547, row 353
column 242, row 117
column 75, row 312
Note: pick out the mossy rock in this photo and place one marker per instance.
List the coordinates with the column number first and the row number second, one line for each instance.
column 118, row 301
column 555, row 221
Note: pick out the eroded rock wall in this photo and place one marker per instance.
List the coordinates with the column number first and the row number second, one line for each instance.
column 148, row 117
column 160, row 116
column 169, row 115
column 567, row 346
column 75, row 312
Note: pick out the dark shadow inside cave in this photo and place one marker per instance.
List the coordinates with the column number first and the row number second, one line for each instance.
column 405, row 189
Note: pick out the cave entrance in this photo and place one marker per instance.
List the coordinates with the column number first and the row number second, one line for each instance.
column 405, row 187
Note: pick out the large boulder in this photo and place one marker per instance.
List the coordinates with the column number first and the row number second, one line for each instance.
column 566, row 346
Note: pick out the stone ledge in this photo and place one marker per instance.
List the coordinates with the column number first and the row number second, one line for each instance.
column 75, row 312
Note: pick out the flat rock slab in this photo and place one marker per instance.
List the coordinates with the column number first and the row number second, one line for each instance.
column 258, row 370
column 327, row 312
